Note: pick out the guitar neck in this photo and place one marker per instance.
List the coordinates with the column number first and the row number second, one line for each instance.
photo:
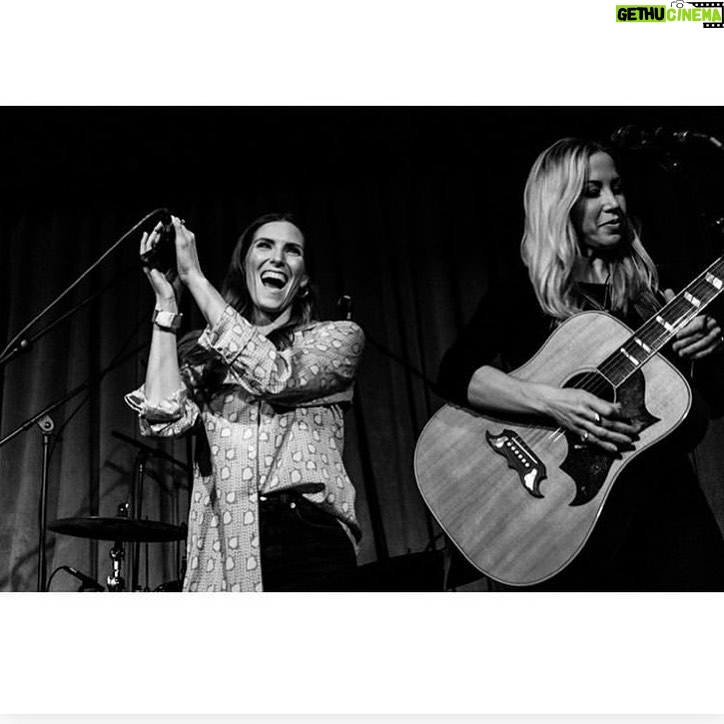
column 654, row 334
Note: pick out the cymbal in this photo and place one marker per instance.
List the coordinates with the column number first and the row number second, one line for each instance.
column 119, row 529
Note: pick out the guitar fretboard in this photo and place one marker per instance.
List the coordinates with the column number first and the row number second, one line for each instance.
column 661, row 328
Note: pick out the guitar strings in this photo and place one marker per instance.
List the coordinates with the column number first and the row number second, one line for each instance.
column 651, row 335
column 614, row 366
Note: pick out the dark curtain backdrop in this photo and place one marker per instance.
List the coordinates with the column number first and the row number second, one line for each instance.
column 411, row 212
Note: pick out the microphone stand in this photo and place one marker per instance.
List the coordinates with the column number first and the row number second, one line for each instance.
column 136, row 505
column 69, row 396
column 136, row 496
column 18, row 344
column 46, row 426
column 9, row 352
column 25, row 344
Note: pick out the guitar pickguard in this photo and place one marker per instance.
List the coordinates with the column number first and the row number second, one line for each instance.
column 588, row 464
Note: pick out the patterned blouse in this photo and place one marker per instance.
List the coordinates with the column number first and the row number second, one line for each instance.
column 275, row 423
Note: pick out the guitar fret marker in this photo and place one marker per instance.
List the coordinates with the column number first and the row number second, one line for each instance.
column 714, row 281
column 692, row 299
column 643, row 345
column 668, row 327
column 629, row 357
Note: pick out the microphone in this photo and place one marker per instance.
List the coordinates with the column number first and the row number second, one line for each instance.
column 344, row 304
column 636, row 138
column 163, row 255
column 87, row 581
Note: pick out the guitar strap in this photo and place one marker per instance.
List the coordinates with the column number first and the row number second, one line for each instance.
column 646, row 305
column 593, row 303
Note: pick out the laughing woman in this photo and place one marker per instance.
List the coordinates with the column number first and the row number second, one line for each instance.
column 272, row 507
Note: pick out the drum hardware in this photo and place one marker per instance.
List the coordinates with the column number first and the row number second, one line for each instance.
column 136, row 496
column 119, row 529
column 20, row 344
column 150, row 451
column 115, row 582
column 136, row 505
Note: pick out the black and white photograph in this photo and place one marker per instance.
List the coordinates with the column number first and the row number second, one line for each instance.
column 352, row 355
column 362, row 349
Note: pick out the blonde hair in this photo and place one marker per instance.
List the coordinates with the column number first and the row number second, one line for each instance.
column 550, row 247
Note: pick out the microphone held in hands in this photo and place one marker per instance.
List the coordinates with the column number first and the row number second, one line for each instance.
column 163, row 254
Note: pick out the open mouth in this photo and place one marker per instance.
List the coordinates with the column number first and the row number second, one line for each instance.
column 274, row 279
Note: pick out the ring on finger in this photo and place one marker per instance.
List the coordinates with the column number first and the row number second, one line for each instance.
column 597, row 418
column 584, row 436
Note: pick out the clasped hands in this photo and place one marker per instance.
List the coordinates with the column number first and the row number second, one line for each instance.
column 166, row 286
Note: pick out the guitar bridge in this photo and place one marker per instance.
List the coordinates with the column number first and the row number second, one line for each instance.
column 520, row 458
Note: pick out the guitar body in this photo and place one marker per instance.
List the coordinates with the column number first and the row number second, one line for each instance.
column 521, row 497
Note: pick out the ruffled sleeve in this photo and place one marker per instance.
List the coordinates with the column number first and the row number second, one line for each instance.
column 172, row 416
column 321, row 362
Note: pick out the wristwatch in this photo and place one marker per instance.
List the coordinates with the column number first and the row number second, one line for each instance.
column 166, row 320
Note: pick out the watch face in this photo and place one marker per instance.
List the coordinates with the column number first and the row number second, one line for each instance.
column 166, row 320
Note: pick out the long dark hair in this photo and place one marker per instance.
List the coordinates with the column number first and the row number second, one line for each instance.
column 234, row 289
column 235, row 292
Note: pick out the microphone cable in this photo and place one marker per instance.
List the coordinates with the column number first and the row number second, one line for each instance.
column 4, row 354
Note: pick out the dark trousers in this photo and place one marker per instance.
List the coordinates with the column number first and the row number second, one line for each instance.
column 303, row 548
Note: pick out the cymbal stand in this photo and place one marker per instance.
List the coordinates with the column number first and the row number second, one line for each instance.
column 138, row 496
column 136, row 503
column 46, row 426
column 115, row 582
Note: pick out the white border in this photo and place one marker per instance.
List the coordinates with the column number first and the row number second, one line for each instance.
column 471, row 653
column 389, row 52
column 324, row 654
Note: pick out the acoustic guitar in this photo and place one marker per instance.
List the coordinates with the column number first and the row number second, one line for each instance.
column 520, row 497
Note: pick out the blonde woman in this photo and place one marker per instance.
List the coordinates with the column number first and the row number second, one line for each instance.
column 581, row 251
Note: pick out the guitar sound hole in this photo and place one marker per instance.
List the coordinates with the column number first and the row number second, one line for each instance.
column 593, row 382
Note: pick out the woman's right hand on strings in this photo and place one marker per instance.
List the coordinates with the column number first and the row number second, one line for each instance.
column 595, row 421
column 164, row 289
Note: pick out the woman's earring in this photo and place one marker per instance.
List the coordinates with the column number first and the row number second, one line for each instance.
column 304, row 293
